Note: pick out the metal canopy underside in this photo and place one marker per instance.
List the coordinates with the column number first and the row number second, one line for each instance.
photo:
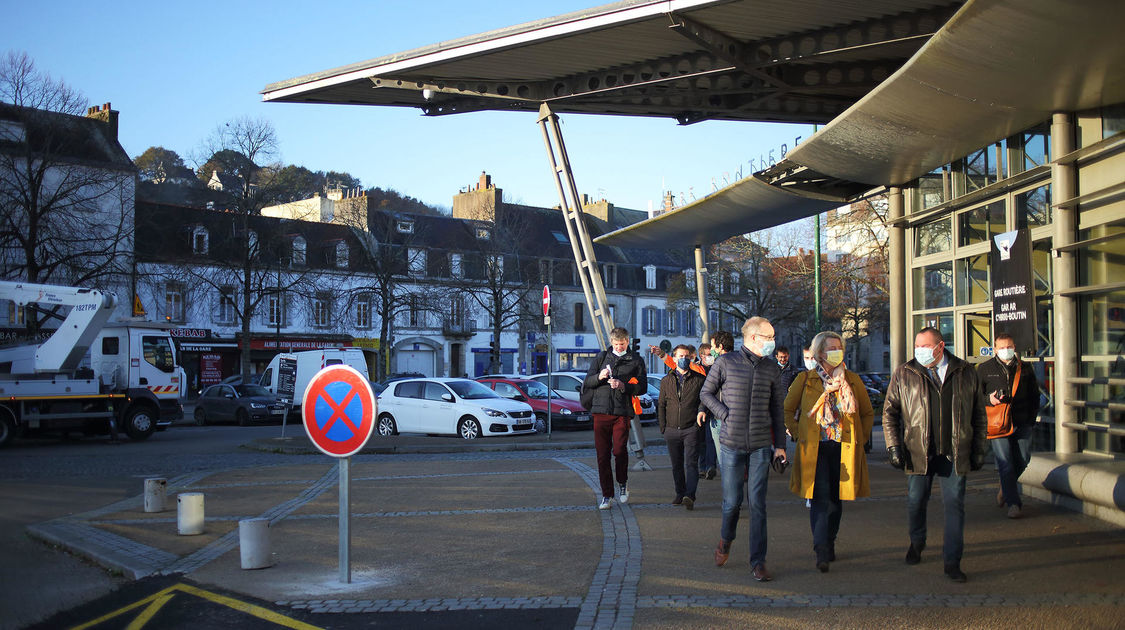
column 692, row 60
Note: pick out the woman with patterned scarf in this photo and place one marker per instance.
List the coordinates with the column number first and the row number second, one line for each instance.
column 829, row 415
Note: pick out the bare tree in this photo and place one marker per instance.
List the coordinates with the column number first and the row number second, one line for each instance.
column 66, row 187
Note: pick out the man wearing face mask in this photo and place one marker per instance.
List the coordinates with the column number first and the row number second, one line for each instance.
column 615, row 376
column 676, row 410
column 934, row 425
column 829, row 414
column 789, row 369
column 743, row 391
column 721, row 343
column 998, row 377
column 810, row 362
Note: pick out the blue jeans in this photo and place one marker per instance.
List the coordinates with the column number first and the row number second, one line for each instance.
column 1012, row 454
column 715, row 426
column 708, row 460
column 735, row 464
column 826, row 507
column 952, row 498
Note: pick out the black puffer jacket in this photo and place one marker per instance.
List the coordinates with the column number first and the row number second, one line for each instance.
column 625, row 368
column 749, row 421
column 995, row 376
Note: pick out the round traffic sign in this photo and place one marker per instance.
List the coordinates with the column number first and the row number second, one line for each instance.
column 339, row 410
column 546, row 300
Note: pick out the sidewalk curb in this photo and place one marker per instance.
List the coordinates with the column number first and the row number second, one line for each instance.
column 302, row 446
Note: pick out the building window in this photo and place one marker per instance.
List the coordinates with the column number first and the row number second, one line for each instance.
column 735, row 282
column 275, row 309
column 484, row 234
column 416, row 314
column 226, row 305
column 363, row 311
column 609, row 276
column 670, row 321
column 455, row 269
column 322, row 311
column 1033, row 208
column 404, row 227
column 416, row 260
column 252, row 244
column 648, row 321
column 933, row 286
column 689, row 279
column 579, row 317
column 650, row 277
column 300, row 247
column 560, row 237
column 342, row 255
column 174, row 302
column 933, row 237
column 199, row 240
column 16, row 315
column 495, row 267
column 546, row 271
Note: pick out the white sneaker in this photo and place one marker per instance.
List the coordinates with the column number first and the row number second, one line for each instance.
column 623, row 496
column 604, row 505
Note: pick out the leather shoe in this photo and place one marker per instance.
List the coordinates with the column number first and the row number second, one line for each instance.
column 722, row 552
column 678, row 501
column 954, row 572
column 914, row 554
column 822, row 566
column 761, row 574
column 689, row 503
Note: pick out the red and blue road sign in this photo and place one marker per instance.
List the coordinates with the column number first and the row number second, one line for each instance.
column 339, row 410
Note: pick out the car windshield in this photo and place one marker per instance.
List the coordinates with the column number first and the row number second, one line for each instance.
column 471, row 390
column 252, row 390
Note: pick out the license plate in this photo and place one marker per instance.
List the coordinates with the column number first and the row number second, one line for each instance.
column 581, row 418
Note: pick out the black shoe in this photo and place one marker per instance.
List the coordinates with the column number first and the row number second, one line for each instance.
column 914, row 554
column 679, row 500
column 710, row 474
column 822, row 566
column 702, row 474
column 954, row 572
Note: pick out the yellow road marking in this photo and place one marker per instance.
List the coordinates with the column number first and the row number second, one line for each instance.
column 149, row 612
column 157, row 600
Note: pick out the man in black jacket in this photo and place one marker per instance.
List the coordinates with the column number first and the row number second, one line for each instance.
column 789, row 369
column 614, row 378
column 997, row 377
column 676, row 409
column 743, row 391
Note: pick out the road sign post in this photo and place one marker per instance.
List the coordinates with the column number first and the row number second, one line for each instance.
column 338, row 410
column 547, row 321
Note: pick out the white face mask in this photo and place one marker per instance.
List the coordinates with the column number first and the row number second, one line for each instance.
column 834, row 357
column 620, row 353
column 924, row 355
column 708, row 359
column 1006, row 354
column 810, row 364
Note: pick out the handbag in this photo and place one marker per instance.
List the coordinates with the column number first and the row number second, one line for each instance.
column 1000, row 416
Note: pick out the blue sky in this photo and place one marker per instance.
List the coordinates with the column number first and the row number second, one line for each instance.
column 176, row 70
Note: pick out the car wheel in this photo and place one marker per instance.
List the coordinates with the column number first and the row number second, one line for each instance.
column 7, row 426
column 540, row 423
column 469, row 428
column 140, row 422
column 200, row 417
column 242, row 417
column 387, row 426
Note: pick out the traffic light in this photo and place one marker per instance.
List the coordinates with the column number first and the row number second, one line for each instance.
column 637, row 344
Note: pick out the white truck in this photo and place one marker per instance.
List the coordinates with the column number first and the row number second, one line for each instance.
column 91, row 375
column 309, row 362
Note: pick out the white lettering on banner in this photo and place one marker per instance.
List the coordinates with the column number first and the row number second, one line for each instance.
column 1009, row 291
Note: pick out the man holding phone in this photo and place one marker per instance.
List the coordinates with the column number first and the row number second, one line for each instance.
column 743, row 391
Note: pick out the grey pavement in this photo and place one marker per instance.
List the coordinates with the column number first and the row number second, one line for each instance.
column 440, row 524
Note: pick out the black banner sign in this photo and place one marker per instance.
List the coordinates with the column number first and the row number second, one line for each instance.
column 286, row 378
column 1013, row 291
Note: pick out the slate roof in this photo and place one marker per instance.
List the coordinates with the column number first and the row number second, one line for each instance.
column 64, row 137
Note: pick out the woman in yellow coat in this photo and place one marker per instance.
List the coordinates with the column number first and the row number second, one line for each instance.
column 829, row 415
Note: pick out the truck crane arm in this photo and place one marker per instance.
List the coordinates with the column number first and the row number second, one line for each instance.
column 90, row 309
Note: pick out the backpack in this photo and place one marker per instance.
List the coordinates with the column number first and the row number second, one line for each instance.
column 586, row 396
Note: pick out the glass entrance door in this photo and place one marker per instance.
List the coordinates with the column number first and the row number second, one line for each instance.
column 977, row 336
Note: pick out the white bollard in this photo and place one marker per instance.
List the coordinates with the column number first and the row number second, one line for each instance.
column 254, row 543
column 189, row 515
column 156, row 494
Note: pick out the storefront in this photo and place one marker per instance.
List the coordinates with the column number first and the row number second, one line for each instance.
column 205, row 357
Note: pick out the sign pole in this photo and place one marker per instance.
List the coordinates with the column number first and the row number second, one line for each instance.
column 550, row 350
column 345, row 520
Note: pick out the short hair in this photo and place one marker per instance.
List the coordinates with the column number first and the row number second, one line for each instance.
column 753, row 325
column 1004, row 335
column 821, row 340
column 723, row 339
column 781, row 349
column 704, row 346
column 619, row 333
column 685, row 347
column 933, row 331
column 690, row 348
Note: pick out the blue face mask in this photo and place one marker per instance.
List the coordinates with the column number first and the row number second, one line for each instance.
column 767, row 347
column 683, row 363
column 924, row 356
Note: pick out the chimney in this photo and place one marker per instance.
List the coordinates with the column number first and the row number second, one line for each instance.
column 106, row 115
column 669, row 201
column 485, row 181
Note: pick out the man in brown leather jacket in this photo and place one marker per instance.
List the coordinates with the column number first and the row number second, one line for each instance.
column 934, row 424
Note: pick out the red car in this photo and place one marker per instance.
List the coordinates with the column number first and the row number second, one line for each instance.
column 564, row 413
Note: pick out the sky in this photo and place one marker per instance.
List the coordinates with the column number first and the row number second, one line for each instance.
column 175, row 71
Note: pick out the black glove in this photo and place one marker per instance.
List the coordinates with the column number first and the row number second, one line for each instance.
column 895, row 458
column 976, row 463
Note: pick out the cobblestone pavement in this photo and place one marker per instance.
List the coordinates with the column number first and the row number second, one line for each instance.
column 514, row 530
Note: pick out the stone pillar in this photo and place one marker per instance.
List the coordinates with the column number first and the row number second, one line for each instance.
column 896, row 271
column 1063, row 188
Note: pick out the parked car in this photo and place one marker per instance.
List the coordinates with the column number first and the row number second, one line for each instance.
column 377, row 388
column 399, row 376
column 455, row 406
column 569, row 385
column 564, row 413
column 309, row 362
column 236, row 403
column 236, row 379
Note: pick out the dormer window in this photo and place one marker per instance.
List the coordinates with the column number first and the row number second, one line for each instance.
column 560, row 237
column 484, row 234
column 405, row 226
column 455, row 269
column 252, row 244
column 650, row 277
column 199, row 240
column 300, row 247
column 416, row 260
column 342, row 253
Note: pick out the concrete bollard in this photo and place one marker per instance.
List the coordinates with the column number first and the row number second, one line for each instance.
column 189, row 515
column 156, row 494
column 254, row 543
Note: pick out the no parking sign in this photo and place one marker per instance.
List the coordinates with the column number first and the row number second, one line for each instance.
column 338, row 410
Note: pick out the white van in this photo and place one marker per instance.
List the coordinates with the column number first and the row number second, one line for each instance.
column 309, row 362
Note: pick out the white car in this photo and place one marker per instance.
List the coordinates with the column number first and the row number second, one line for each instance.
column 569, row 386
column 454, row 406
